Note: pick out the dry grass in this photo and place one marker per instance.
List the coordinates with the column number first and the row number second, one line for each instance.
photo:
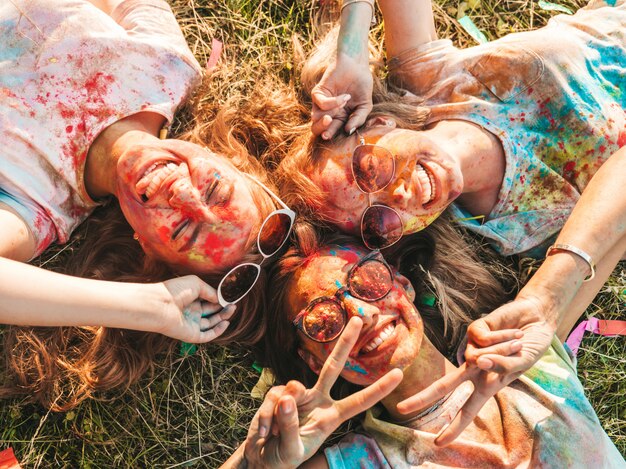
column 193, row 411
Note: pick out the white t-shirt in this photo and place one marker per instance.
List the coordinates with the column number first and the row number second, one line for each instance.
column 67, row 71
column 555, row 98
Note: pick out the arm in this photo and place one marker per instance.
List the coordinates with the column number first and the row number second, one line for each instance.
column 550, row 303
column 344, row 94
column 408, row 24
column 184, row 308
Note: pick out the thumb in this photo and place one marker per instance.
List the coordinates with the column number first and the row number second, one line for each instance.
column 288, row 426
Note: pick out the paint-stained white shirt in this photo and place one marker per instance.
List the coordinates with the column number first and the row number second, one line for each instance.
column 67, row 71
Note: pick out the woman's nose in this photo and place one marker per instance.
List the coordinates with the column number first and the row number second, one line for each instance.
column 401, row 194
column 368, row 312
column 184, row 196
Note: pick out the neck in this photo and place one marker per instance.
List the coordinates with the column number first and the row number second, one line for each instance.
column 105, row 151
column 481, row 159
column 428, row 367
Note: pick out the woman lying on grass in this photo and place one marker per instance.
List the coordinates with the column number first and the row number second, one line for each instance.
column 87, row 88
column 507, row 134
column 543, row 419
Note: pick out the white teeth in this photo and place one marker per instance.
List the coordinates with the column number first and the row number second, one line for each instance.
column 379, row 339
column 154, row 176
column 427, row 184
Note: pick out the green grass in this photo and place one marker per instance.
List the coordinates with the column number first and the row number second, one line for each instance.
column 194, row 410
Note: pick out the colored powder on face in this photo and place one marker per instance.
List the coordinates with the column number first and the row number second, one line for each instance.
column 354, row 367
column 360, row 311
column 338, row 284
column 333, row 253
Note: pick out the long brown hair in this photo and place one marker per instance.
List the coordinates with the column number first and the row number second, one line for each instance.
column 438, row 262
column 60, row 367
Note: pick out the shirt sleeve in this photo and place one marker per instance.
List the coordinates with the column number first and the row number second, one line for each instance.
column 39, row 223
column 152, row 20
column 416, row 69
column 356, row 450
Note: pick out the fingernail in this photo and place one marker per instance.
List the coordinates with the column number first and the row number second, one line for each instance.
column 262, row 431
column 484, row 363
column 325, row 136
column 346, row 97
column 352, row 130
column 286, row 407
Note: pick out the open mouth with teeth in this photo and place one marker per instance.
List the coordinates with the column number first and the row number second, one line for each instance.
column 379, row 339
column 153, row 177
column 427, row 183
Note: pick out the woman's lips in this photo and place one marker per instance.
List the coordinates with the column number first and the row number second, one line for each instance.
column 427, row 183
column 379, row 340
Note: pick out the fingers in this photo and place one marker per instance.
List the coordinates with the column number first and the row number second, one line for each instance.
column 289, row 426
column 336, row 360
column 357, row 118
column 295, row 389
column 333, row 128
column 437, row 390
column 480, row 333
column 213, row 333
column 473, row 354
column 504, row 365
column 320, row 125
column 323, row 99
column 205, row 291
column 265, row 413
column 463, row 418
column 210, row 318
column 366, row 398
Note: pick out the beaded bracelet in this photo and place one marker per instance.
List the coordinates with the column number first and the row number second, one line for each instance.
column 369, row 2
column 579, row 252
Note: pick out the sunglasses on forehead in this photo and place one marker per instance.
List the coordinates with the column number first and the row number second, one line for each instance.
column 373, row 168
column 325, row 318
column 273, row 234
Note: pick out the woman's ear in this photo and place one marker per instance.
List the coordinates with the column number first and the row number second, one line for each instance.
column 311, row 360
column 408, row 286
column 381, row 120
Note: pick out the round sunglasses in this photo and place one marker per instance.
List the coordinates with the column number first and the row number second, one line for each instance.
column 273, row 234
column 325, row 318
column 373, row 168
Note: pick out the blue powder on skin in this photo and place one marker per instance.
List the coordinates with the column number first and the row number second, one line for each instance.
column 360, row 311
column 354, row 367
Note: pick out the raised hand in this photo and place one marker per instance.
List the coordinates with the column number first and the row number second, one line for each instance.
column 191, row 311
column 501, row 347
column 342, row 98
column 293, row 421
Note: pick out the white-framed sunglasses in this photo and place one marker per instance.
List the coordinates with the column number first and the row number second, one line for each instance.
column 273, row 234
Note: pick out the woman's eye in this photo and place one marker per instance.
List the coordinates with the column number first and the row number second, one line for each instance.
column 210, row 190
column 180, row 229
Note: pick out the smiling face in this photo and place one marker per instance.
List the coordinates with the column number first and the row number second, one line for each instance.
column 426, row 180
column 190, row 207
column 392, row 328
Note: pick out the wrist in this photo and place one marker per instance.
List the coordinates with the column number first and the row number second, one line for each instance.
column 553, row 287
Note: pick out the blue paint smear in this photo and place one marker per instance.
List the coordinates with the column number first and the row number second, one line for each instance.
column 354, row 367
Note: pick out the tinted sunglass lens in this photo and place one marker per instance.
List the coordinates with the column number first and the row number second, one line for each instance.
column 373, row 167
column 370, row 280
column 274, row 233
column 380, row 226
column 238, row 282
column 324, row 322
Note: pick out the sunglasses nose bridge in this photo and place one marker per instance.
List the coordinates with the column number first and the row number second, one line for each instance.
column 359, row 308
